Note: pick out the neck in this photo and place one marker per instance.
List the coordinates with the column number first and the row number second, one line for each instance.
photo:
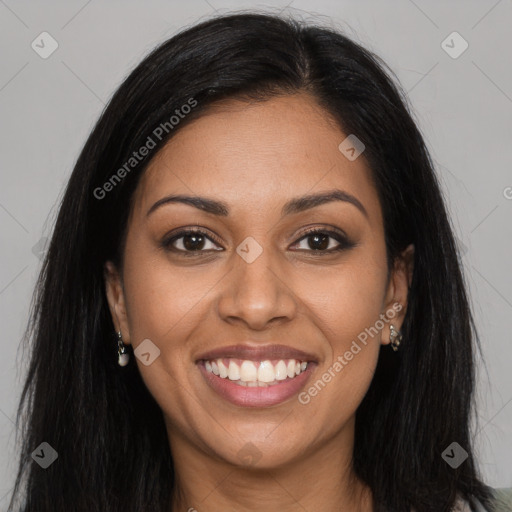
column 321, row 480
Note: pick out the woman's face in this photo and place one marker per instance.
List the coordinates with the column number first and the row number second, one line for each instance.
column 253, row 289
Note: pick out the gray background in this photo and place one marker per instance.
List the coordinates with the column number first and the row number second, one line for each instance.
column 463, row 107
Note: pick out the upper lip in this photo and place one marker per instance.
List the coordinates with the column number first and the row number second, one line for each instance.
column 257, row 353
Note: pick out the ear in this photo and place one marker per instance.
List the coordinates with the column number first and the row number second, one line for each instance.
column 116, row 300
column 398, row 291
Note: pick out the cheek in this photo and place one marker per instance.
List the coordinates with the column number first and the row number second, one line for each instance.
column 346, row 305
column 163, row 306
column 347, row 300
column 161, row 299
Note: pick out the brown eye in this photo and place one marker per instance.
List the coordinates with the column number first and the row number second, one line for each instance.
column 324, row 241
column 190, row 241
column 318, row 241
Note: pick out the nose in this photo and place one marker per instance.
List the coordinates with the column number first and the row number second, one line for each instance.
column 256, row 293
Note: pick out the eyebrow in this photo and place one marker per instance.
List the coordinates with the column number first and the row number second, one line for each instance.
column 296, row 205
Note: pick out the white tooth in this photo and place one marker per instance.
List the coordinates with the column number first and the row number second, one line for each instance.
column 266, row 372
column 297, row 368
column 208, row 366
column 290, row 368
column 223, row 371
column 242, row 383
column 233, row 371
column 248, row 371
column 303, row 366
column 281, row 370
column 215, row 368
column 252, row 384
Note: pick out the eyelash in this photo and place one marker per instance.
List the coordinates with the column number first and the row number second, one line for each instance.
column 344, row 242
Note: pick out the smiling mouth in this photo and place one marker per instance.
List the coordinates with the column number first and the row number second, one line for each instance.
column 250, row 383
column 248, row 373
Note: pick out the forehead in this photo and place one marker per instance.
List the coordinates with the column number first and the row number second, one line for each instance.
column 256, row 156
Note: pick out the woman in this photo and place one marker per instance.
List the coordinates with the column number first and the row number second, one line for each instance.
column 252, row 299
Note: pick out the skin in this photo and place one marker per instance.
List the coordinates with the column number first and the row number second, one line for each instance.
column 255, row 157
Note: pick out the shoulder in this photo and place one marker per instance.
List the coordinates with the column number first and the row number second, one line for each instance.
column 503, row 499
column 502, row 502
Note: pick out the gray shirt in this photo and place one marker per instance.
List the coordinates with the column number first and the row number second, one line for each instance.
column 502, row 498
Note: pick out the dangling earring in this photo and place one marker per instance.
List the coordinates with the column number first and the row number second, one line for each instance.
column 395, row 337
column 123, row 356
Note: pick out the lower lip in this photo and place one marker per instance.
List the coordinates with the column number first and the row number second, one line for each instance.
column 256, row 396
